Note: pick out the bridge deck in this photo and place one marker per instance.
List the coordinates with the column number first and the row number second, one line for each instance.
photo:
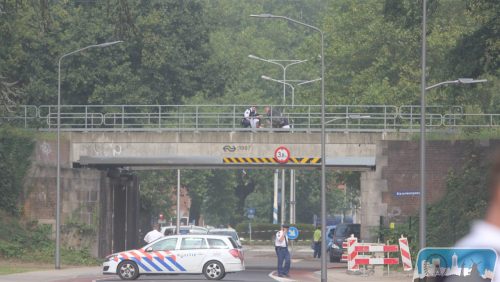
column 207, row 162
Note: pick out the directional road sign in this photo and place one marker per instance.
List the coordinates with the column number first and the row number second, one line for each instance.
column 251, row 213
column 293, row 233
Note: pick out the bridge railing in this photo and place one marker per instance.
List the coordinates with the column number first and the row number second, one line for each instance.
column 369, row 118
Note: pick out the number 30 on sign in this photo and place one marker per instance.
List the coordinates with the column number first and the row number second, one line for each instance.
column 282, row 154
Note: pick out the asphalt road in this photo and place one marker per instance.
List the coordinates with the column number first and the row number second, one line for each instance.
column 258, row 267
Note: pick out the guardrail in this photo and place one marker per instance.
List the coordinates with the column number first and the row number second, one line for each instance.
column 361, row 118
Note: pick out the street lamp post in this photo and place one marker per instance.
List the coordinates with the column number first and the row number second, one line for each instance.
column 423, row 212
column 287, row 83
column 323, row 151
column 284, row 64
column 458, row 81
column 58, row 176
column 292, row 171
column 423, row 201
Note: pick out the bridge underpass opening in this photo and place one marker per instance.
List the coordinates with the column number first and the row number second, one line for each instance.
column 123, row 200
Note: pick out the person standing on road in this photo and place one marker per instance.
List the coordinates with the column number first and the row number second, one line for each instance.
column 281, row 244
column 317, row 242
column 153, row 235
column 486, row 233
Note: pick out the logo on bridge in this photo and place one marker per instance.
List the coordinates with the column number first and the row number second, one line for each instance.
column 234, row 148
column 228, row 148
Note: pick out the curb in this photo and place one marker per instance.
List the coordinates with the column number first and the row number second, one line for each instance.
column 280, row 279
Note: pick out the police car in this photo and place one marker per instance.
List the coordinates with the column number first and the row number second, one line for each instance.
column 211, row 255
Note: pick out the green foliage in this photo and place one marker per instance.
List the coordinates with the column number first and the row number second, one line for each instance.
column 30, row 242
column 156, row 192
column 16, row 147
column 465, row 201
column 267, row 231
column 408, row 229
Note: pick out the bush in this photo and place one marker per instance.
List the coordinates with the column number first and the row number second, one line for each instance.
column 266, row 231
column 16, row 147
column 30, row 242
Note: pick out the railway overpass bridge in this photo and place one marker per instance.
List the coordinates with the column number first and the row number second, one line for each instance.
column 373, row 139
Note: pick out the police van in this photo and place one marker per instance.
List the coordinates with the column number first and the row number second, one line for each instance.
column 211, row 255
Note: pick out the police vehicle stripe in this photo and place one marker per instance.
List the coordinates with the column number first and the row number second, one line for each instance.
column 150, row 262
column 135, row 255
column 146, row 254
column 162, row 262
column 140, row 264
column 176, row 264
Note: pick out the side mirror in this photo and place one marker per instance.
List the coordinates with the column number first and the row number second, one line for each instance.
column 149, row 249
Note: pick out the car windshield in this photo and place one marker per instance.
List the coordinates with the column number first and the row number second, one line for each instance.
column 341, row 231
column 232, row 234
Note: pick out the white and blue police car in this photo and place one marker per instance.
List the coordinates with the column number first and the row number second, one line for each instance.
column 211, row 255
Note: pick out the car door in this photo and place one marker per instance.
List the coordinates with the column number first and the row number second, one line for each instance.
column 161, row 257
column 192, row 252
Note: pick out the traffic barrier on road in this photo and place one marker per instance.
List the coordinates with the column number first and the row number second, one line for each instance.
column 345, row 256
column 405, row 253
column 355, row 259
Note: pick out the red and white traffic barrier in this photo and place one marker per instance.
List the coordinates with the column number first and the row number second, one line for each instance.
column 405, row 253
column 355, row 259
column 356, row 254
column 352, row 254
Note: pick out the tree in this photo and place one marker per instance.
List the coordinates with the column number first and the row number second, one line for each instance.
column 466, row 200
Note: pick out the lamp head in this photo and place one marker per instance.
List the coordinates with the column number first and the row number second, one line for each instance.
column 470, row 80
column 263, row 16
column 106, row 44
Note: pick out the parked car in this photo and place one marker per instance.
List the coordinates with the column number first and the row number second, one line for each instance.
column 337, row 235
column 226, row 232
column 189, row 229
column 211, row 255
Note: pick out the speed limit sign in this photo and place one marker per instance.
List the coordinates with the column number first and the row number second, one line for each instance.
column 282, row 154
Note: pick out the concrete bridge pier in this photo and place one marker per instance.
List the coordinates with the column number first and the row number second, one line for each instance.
column 373, row 208
column 119, row 213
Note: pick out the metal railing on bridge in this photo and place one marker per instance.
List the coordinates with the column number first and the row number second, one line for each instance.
column 358, row 118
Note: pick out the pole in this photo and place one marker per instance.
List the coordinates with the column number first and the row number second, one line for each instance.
column 423, row 211
column 275, row 201
column 58, row 169
column 178, row 212
column 292, row 196
column 284, row 84
column 250, row 229
column 283, row 192
column 58, row 173
column 323, row 152
column 323, row 167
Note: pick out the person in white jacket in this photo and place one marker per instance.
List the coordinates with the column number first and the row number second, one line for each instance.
column 153, row 235
column 486, row 233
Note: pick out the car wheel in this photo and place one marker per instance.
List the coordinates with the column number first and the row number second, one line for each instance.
column 128, row 270
column 214, row 270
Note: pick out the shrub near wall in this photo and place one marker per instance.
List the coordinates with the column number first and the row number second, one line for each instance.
column 16, row 147
column 266, row 231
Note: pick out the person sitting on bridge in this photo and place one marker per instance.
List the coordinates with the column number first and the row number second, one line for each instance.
column 251, row 118
column 276, row 118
